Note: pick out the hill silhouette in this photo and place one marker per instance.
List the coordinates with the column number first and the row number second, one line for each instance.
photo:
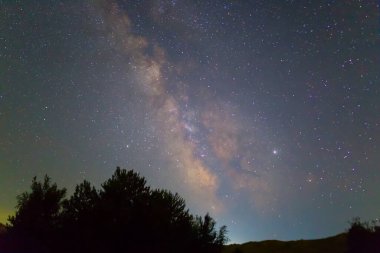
column 361, row 237
column 335, row 244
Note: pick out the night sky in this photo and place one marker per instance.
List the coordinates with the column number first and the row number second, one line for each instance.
column 264, row 113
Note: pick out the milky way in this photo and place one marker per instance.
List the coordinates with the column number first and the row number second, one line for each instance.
column 263, row 113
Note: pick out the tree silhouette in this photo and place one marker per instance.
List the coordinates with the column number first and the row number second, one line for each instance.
column 124, row 187
column 210, row 239
column 125, row 215
column 38, row 212
column 363, row 237
column 169, row 221
column 123, row 199
column 82, row 203
column 78, row 217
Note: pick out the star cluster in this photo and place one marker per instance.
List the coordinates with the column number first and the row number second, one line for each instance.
column 263, row 113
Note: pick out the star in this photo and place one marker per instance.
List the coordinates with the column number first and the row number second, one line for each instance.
column 187, row 93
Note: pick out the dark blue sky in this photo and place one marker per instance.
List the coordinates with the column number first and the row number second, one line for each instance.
column 264, row 113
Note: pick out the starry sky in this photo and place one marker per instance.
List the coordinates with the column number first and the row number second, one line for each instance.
column 264, row 113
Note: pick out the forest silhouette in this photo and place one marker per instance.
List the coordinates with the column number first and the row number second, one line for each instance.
column 363, row 237
column 125, row 215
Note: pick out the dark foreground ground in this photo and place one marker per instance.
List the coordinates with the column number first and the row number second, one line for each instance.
column 335, row 244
